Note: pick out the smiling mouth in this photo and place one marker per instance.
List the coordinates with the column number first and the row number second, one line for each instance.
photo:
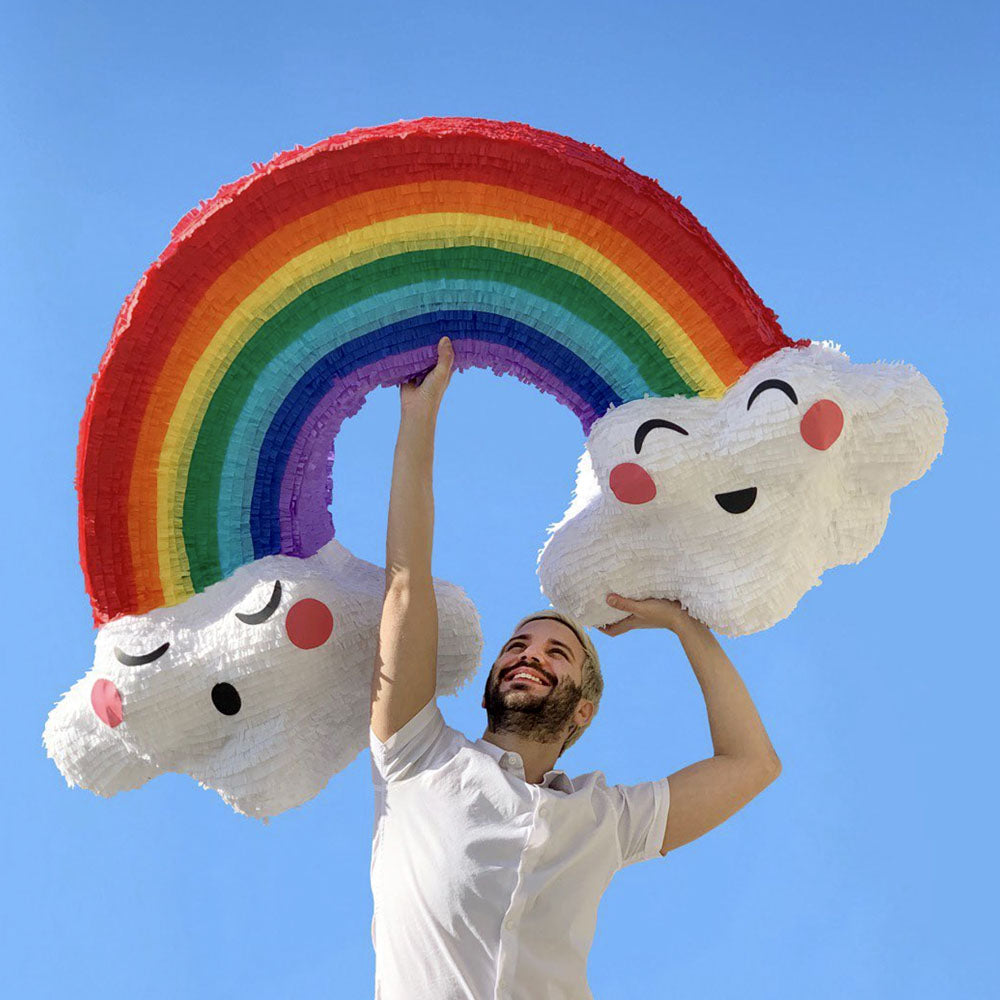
column 738, row 501
column 524, row 676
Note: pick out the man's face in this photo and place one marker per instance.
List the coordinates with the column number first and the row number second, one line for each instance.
column 535, row 686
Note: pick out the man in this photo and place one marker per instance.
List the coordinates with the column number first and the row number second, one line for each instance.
column 487, row 863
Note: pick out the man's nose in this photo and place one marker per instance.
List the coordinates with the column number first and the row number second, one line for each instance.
column 525, row 656
column 534, row 655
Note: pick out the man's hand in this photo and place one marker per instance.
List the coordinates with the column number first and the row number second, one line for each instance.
column 650, row 613
column 425, row 394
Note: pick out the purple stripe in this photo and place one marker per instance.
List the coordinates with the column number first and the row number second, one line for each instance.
column 306, row 524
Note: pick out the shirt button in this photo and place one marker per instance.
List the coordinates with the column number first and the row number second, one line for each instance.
column 509, row 924
column 543, row 811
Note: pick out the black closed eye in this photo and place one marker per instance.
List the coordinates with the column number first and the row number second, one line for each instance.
column 650, row 425
column 128, row 660
column 259, row 617
column 773, row 383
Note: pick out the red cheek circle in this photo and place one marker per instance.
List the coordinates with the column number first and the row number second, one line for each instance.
column 308, row 623
column 631, row 483
column 107, row 702
column 822, row 424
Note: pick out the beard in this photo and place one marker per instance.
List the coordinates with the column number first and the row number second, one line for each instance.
column 540, row 716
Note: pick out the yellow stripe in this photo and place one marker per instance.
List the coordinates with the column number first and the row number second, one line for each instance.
column 327, row 260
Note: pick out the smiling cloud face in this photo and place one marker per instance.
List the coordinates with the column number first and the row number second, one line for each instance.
column 258, row 687
column 736, row 506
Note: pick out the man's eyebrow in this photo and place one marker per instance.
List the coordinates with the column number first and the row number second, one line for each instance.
column 559, row 642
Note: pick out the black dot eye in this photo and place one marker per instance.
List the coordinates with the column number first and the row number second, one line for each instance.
column 226, row 699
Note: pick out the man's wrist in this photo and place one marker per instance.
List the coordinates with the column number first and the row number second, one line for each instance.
column 419, row 412
column 692, row 630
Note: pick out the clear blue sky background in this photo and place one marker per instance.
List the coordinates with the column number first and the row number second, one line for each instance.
column 845, row 155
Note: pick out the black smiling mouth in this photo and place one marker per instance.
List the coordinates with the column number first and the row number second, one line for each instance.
column 738, row 501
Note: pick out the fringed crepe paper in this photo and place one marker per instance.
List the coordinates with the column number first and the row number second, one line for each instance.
column 237, row 638
column 208, row 437
column 736, row 506
column 257, row 688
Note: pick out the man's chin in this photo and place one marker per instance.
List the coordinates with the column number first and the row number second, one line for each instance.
column 523, row 699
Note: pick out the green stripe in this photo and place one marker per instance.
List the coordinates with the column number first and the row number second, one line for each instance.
column 572, row 292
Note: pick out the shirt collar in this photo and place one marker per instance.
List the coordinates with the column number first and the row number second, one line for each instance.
column 512, row 763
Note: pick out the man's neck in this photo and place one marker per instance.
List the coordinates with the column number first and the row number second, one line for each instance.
column 538, row 758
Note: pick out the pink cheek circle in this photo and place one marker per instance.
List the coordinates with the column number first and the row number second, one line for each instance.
column 107, row 702
column 631, row 483
column 308, row 623
column 822, row 424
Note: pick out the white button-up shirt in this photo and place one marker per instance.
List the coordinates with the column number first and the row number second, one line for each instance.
column 486, row 886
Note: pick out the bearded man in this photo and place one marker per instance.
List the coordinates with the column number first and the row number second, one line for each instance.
column 488, row 863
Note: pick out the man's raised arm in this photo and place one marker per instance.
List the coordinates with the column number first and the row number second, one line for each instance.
column 405, row 675
column 708, row 792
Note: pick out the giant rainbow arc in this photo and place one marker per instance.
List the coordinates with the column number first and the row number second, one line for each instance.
column 207, row 440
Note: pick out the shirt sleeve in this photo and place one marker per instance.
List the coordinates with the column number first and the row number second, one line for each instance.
column 411, row 748
column 642, row 819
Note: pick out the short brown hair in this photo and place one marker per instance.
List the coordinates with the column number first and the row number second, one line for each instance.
column 593, row 682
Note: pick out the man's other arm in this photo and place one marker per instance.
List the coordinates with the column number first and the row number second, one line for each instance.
column 404, row 678
column 744, row 763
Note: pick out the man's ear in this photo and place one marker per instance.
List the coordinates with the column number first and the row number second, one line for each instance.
column 584, row 712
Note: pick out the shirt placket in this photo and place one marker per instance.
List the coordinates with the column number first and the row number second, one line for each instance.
column 510, row 928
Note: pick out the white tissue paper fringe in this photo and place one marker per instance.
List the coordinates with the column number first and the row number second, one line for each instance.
column 814, row 509
column 304, row 713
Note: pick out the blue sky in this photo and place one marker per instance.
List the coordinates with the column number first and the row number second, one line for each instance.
column 845, row 156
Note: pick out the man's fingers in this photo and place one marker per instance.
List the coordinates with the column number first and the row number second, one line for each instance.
column 625, row 625
column 441, row 373
column 430, row 385
column 445, row 360
column 623, row 603
column 446, row 353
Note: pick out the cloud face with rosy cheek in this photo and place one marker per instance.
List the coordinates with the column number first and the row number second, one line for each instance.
column 735, row 506
column 258, row 687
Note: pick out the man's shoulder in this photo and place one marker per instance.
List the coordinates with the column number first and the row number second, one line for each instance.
column 590, row 778
column 594, row 781
column 422, row 741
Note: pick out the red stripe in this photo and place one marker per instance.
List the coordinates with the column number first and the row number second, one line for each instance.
column 212, row 237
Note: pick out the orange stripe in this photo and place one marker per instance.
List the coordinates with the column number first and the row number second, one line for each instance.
column 342, row 217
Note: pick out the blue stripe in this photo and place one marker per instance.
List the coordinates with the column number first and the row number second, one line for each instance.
column 407, row 335
column 278, row 378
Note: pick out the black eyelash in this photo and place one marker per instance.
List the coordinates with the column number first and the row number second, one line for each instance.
column 648, row 425
column 259, row 617
column 128, row 660
column 773, row 383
